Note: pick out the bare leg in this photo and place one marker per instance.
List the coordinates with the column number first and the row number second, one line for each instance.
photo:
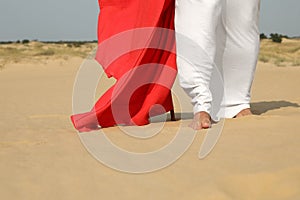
column 172, row 113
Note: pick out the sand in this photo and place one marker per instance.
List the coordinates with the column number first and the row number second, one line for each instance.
column 42, row 157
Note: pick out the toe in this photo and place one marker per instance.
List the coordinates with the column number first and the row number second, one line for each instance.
column 206, row 124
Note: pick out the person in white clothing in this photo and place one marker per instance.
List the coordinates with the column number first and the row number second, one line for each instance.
column 227, row 31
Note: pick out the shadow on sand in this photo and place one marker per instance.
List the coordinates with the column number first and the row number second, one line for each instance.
column 259, row 108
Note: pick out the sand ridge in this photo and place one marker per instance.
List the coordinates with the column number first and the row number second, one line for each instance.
column 257, row 157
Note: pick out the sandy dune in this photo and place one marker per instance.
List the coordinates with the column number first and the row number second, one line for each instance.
column 42, row 157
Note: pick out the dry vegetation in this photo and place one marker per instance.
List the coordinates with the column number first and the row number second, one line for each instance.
column 38, row 51
column 286, row 53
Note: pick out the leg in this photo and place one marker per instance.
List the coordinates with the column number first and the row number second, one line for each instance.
column 195, row 25
column 172, row 113
column 240, row 55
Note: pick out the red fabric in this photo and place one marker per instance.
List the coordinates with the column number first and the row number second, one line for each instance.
column 117, row 16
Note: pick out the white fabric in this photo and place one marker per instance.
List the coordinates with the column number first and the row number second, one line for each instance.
column 227, row 32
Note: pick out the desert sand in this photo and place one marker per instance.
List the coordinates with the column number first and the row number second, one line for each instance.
column 42, row 157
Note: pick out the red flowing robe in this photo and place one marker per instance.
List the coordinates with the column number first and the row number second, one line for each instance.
column 129, row 101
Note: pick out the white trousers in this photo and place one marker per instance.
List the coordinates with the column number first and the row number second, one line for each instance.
column 226, row 31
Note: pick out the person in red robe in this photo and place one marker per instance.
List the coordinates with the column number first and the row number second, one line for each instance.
column 136, row 46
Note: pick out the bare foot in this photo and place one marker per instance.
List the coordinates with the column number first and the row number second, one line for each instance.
column 201, row 120
column 244, row 112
